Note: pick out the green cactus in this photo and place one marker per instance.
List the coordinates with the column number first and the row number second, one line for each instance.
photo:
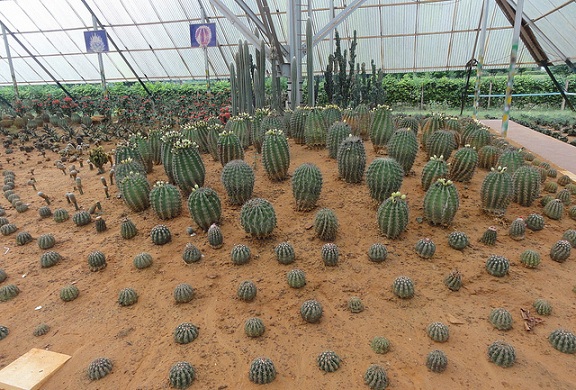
column 296, row 278
column 127, row 229
column 376, row 378
column 188, row 169
column 434, row 169
column 332, row 114
column 496, row 192
column 530, row 258
column 489, row 236
column 501, row 354
column 160, row 235
column 238, row 180
column 254, row 327
column 306, row 186
column 99, row 368
column 380, row 345
column 100, row 224
column 129, row 151
column 572, row 212
column 464, row 164
column 553, row 173
column 8, row 229
column 165, row 200
column 382, row 129
column 330, row 254
column 49, row 259
column 69, row 293
column 298, row 124
column 377, row 252
column 229, row 147
column 545, row 200
column 542, row 307
column 124, row 167
column 285, row 253
column 384, row 177
column 3, row 275
column 560, row 251
column 570, row 236
column 326, row 224
column 425, row 248
column 565, row 196
column 511, row 159
column 436, row 361
column 517, row 229
column 275, row 155
column 564, row 180
column 328, row 361
column 262, row 371
column 554, row 209
column 181, row 375
column 438, row 332
column 403, row 287
column 535, row 222
column 23, row 238
column 311, row 311
column 96, row 261
column 240, row 254
column 82, row 218
column 98, row 157
column 501, row 319
column 41, row 330
column 155, row 145
column 142, row 260
column 241, row 126
column 215, row 238
column 184, row 293
column 488, row 156
column 214, row 131
column 441, row 202
column 453, row 280
column 337, row 132
column 393, row 216
column 258, row 217
column 362, row 116
column 169, row 139
column 551, row 187
column 563, row 341
column 526, row 184
column 185, row 333
column 247, row 291
column 458, row 240
column 315, row 129
column 204, row 206
column 351, row 159
column 191, row 254
column 497, row 265
column 479, row 138
column 441, row 143
column 8, row 292
column 272, row 120
column 135, row 191
column 127, row 297
column 44, row 212
column 403, row 147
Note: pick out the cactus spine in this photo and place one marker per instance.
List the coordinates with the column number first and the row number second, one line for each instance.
column 306, row 186
column 393, row 215
column 403, row 147
column 204, row 206
column 384, row 177
column 441, row 202
column 276, row 155
column 238, row 180
column 351, row 160
column 165, row 200
column 496, row 192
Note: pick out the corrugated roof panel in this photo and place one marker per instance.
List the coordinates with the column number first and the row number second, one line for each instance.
column 114, row 66
column 461, row 51
column 435, row 17
column 435, row 47
column 140, row 12
column 398, row 20
column 399, row 54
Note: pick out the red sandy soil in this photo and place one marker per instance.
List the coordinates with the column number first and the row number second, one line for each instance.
column 139, row 339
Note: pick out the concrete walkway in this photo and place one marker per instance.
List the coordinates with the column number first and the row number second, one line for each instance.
column 559, row 153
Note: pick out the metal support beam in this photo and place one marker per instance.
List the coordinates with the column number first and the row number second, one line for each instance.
column 558, row 86
column 100, row 62
column 481, row 50
column 37, row 61
column 336, row 21
column 252, row 16
column 295, row 45
column 10, row 64
column 205, row 50
column 272, row 36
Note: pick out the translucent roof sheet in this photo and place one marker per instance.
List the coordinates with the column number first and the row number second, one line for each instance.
column 399, row 35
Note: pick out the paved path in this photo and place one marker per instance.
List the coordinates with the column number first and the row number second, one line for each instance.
column 557, row 152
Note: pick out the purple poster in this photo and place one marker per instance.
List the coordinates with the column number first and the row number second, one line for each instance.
column 203, row 35
column 96, row 41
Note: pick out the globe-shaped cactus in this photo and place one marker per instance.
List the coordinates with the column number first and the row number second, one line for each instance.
column 453, row 280
column 393, row 216
column 326, row 224
column 330, row 254
column 497, row 265
column 181, row 375
column 496, row 192
column 403, row 287
column 258, row 217
column 96, row 261
column 128, row 229
column 127, row 297
column 188, row 169
column 306, row 186
column 355, row 305
column 328, row 361
column 184, row 293
column 247, row 291
column 501, row 354
column 165, row 200
column 204, row 206
column 380, row 344
column 530, row 258
column 23, row 238
column 384, row 177
column 464, row 164
column 458, row 240
column 377, row 252
column 8, row 292
column 501, row 319
column 489, row 236
column 254, row 327
column 82, row 218
column 535, row 222
column 69, row 293
column 238, row 180
column 570, row 236
column 526, row 184
column 160, row 235
column 8, row 229
column 41, row 330
column 403, row 147
column 296, row 278
column 560, row 251
column 436, row 361
column 311, row 311
column 142, row 260
column 49, row 259
column 46, row 241
column 60, row 215
column 240, row 254
column 542, row 307
column 262, row 371
column 215, row 238
column 376, row 378
column 44, row 212
column 438, row 332
column 99, row 368
column 337, row 132
column 285, row 253
column 563, row 341
column 435, row 169
column 554, row 209
column 517, row 229
column 425, row 248
column 185, row 333
column 191, row 254
column 135, row 191
column 351, row 159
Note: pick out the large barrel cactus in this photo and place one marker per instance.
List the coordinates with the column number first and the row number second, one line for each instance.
column 488, row 156
column 122, row 169
column 306, row 186
column 432, row 124
column 393, row 216
column 276, row 154
column 128, row 150
column 441, row 143
column 496, row 192
column 241, row 126
column 338, row 132
column 205, row 207
column 274, row 120
column 214, row 131
column 258, row 217
column 229, row 147
column 441, row 202
column 187, row 166
column 297, row 124
column 155, row 144
column 198, row 132
column 165, row 200
column 143, row 147
column 403, row 147
column 363, row 118
column 464, row 164
column 384, row 176
column 526, row 184
column 168, row 140
column 479, row 138
column 238, row 180
column 315, row 129
column 351, row 159
column 332, row 114
column 382, row 127
column 512, row 159
column 434, row 169
column 135, row 191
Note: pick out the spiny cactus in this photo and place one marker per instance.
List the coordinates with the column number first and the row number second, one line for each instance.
column 563, row 341
column 274, row 120
column 551, row 187
column 542, row 307
column 8, row 292
column 489, row 236
column 184, row 293
column 382, row 127
column 49, row 259
column 8, row 229
column 377, row 252
column 44, row 212
column 100, row 224
column 306, row 186
column 517, row 229
column 188, row 168
column 160, row 235
column 332, row 114
column 384, row 177
column 436, row 361
column 355, row 305
column 337, row 133
column 3, row 275
column 258, row 217
column 453, row 280
column 441, row 202
column 127, row 229
column 262, row 371
column 168, row 140
column 185, row 333
column 135, row 191
column 215, row 238
column 214, row 131
column 69, row 293
column 315, row 129
column 326, row 224
column 181, row 375
column 240, row 254
column 254, row 327
column 165, row 200
column 60, row 215
column 530, row 258
column 535, row 222
column 155, row 145
column 376, row 378
column 99, row 368
column 570, row 236
column 501, row 354
column 496, row 192
column 554, row 209
column 23, row 238
column 501, row 319
column 241, row 126
column 403, row 287
column 434, row 169
column 311, row 311
column 351, row 159
column 572, row 212
column 458, row 240
column 393, row 216
column 298, row 123
column 124, row 167
column 441, row 143
column 191, row 254
column 464, row 164
column 285, row 253
column 229, row 147
column 564, row 180
column 142, row 260
column 328, row 361
column 96, row 261
column 425, row 248
column 82, row 218
column 380, row 344
column 403, row 147
column 526, row 184
column 41, row 330
column 296, row 278
column 497, row 265
column 511, row 159
column 247, row 291
column 204, row 206
column 330, row 254
column 438, row 332
column 238, row 180
column 565, row 196
column 488, row 156
column 276, row 155
column 560, row 251
column 127, row 297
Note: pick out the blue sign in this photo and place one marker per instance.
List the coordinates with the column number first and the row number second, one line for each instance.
column 96, row 41
column 203, row 35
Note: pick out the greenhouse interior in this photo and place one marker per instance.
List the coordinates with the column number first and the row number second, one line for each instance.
column 223, row 194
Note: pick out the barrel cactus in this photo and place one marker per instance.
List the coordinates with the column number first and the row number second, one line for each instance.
column 8, row 292
column 165, row 200
column 384, row 177
column 464, row 164
column 328, row 361
column 262, row 371
column 376, row 378
column 188, row 168
column 124, row 167
column 240, row 254
column 276, row 155
column 488, row 156
column 377, row 252
column 247, row 291
column 155, row 145
column 526, row 184
column 82, row 218
column 403, row 287
column 542, row 307
column 403, row 147
column 393, row 216
column 501, row 354
column 254, row 327
column 142, row 260
column 96, row 261
column 238, row 180
column 355, row 305
column 441, row 143
column 311, row 311
column 185, row 333
column 438, row 332
column 127, row 297
column 258, row 217
column 298, row 123
column 160, row 235
column 60, row 215
column 551, row 187
column 497, row 265
column 128, row 229
column 168, row 140
column 489, row 236
column 570, row 236
column 337, row 133
column 517, row 229
column 560, row 251
column 44, row 212
column 40, row 330
column 296, row 278
column 181, row 375
column 351, row 159
column 99, row 368
column 330, row 254
column 434, row 169
column 184, row 293
column 381, row 127
column 214, row 130
column 204, row 206
column 496, row 192
column 441, row 202
column 285, row 253
column 135, row 191
column 215, row 238
column 306, row 186
column 565, row 196
column 563, row 341
column 501, row 319
column 3, row 275
column 458, row 240
column 8, row 229
column 69, row 293
column 530, row 258
column 436, row 361
column 191, row 254
column 512, row 159
column 453, row 280
column 23, row 238
column 535, row 222
column 50, row 259
column 554, row 209
column 315, row 129
column 380, row 344
column 425, row 248
column 241, row 126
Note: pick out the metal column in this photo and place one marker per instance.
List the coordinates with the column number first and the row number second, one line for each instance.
column 481, row 50
column 100, row 62
column 205, row 50
column 295, row 42
column 10, row 64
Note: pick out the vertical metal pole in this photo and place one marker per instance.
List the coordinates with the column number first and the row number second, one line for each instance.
column 563, row 106
column 512, row 67
column 10, row 64
column 489, row 94
column 295, row 38
column 205, row 49
column 332, row 16
column 481, row 50
column 100, row 62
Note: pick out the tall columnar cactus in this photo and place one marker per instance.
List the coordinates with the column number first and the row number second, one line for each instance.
column 441, row 202
column 496, row 192
column 168, row 140
column 384, row 176
column 488, row 156
column 315, row 129
column 393, row 216
column 135, row 191
column 310, row 63
column 258, row 217
column 403, row 147
column 229, row 147
column 526, row 185
column 276, row 155
column 165, row 200
column 155, row 145
column 204, row 207
column 464, row 164
column 298, row 123
column 187, row 166
column 441, row 143
column 238, row 180
column 434, row 169
column 241, row 126
column 351, row 159
column 337, row 132
column 511, row 159
column 306, row 186
column 382, row 127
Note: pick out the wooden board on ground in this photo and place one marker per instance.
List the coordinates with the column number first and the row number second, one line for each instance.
column 31, row 370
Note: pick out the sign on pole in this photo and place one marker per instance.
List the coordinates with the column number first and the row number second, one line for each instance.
column 203, row 34
column 96, row 41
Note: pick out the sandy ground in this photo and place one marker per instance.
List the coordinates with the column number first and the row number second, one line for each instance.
column 139, row 338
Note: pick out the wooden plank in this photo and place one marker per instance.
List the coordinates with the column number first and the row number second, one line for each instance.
column 31, row 370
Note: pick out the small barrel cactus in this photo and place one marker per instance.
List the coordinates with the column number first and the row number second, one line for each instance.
column 285, row 253
column 458, row 240
column 436, row 361
column 376, row 378
column 275, row 155
column 181, row 375
column 258, row 217
column 49, row 259
column 497, row 265
column 311, row 311
column 3, row 275
column 393, row 216
column 377, row 252
column 453, row 280
column 560, row 251
column 69, row 293
column 191, row 254
column 184, row 293
column 542, row 307
column 8, row 292
column 215, row 238
column 46, row 241
column 238, row 180
column 128, row 229
column 565, row 196
column 60, row 215
column 501, row 354
column 160, row 235
column 165, row 200
column 8, row 229
column 247, row 291
column 99, row 368
column 570, row 236
column 240, row 254
column 554, row 209
column 380, row 344
column 185, row 333
column 41, row 330
column 82, row 218
column 530, row 258
column 326, row 224
column 545, row 200
column 551, row 187
column 355, row 305
column 306, row 186
column 204, row 206
column 435, row 169
column 100, row 224
column 403, row 287
column 337, row 133
column 330, row 254
column 23, row 238
column 351, row 159
column 464, row 164
column 535, row 222
column 96, row 261
column 526, row 183
column 441, row 143
column 496, row 192
column 127, row 297
column 44, row 212
column 501, row 319
column 229, row 147
column 438, row 332
column 489, row 236
column 563, row 340
column 384, row 177
column 425, row 248
column 403, row 147
column 254, row 327
column 517, row 229
column 142, row 260
column 262, row 371
column 328, row 361
column 296, row 278
column 135, row 191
